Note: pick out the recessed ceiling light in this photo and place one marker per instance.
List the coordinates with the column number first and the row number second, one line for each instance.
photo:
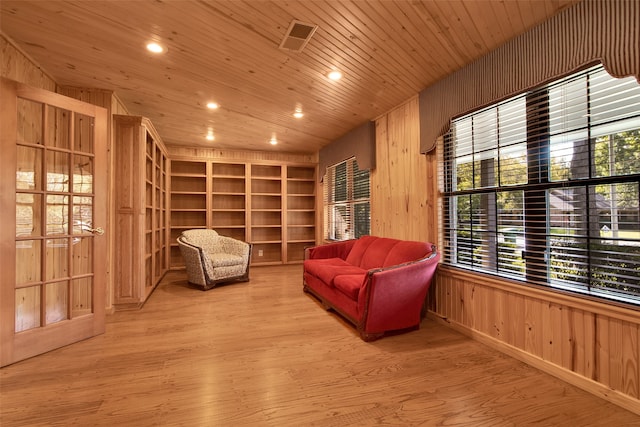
column 298, row 114
column 273, row 140
column 210, row 137
column 212, row 105
column 335, row 75
column 155, row 47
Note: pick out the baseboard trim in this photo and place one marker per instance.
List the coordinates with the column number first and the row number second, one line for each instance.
column 570, row 377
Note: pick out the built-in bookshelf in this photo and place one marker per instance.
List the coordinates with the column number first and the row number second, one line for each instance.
column 269, row 205
column 228, row 199
column 141, row 203
column 266, row 213
column 188, row 201
column 300, row 212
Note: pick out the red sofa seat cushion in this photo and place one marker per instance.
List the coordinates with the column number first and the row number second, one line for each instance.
column 350, row 284
column 328, row 268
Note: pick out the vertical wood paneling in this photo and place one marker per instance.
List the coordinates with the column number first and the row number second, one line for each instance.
column 603, row 358
column 468, row 305
column 189, row 153
column 616, row 358
column 481, row 315
column 630, row 359
column 595, row 346
column 567, row 337
column 576, row 328
column 17, row 66
column 513, row 325
column 587, row 349
column 495, row 316
column 456, row 308
column 534, row 327
column 556, row 341
column 400, row 204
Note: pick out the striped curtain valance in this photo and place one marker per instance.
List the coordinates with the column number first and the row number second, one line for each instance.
column 359, row 143
column 593, row 30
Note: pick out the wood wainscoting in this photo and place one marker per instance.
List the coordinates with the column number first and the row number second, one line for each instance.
column 589, row 344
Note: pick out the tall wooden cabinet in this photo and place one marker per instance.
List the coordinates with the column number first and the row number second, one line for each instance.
column 141, row 210
column 270, row 205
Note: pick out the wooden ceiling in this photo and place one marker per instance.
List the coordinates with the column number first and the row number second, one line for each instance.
column 227, row 51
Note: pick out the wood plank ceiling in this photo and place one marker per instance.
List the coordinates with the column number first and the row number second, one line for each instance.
column 227, row 52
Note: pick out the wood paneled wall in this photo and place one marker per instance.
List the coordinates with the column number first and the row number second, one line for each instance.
column 16, row 65
column 176, row 152
column 590, row 344
column 404, row 181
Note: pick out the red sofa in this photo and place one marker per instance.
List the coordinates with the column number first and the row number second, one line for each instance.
column 378, row 284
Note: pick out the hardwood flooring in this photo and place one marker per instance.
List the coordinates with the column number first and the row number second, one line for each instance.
column 263, row 353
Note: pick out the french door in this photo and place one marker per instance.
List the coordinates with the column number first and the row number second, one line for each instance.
column 53, row 190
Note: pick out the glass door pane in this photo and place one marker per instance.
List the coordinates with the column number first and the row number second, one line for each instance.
column 54, row 262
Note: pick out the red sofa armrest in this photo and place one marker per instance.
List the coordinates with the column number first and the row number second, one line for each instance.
column 330, row 250
column 393, row 296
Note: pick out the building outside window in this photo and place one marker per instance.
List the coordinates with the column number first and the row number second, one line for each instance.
column 346, row 201
column 545, row 187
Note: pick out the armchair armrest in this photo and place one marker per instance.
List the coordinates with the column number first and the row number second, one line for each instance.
column 233, row 246
column 332, row 250
column 194, row 261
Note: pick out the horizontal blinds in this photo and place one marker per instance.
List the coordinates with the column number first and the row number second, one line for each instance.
column 346, row 201
column 544, row 187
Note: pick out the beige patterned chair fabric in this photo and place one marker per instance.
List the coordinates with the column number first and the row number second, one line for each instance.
column 211, row 258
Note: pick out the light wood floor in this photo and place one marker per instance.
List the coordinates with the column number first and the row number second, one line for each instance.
column 263, row 353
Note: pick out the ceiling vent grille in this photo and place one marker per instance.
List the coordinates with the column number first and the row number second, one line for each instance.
column 297, row 36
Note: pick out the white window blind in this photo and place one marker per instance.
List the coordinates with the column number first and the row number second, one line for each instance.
column 545, row 187
column 346, row 201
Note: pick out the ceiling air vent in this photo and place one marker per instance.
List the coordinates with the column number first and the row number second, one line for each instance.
column 297, row 36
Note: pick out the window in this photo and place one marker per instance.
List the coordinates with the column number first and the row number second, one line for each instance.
column 545, row 187
column 346, row 201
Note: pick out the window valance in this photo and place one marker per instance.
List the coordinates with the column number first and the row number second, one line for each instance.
column 359, row 142
column 593, row 30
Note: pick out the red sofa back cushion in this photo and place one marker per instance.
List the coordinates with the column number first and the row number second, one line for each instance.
column 405, row 251
column 374, row 252
column 358, row 250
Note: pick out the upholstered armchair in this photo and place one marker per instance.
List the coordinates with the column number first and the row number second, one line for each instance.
column 211, row 258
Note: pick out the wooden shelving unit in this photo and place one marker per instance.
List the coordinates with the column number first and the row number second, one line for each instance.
column 270, row 205
column 189, row 199
column 228, row 199
column 266, row 214
column 141, row 202
column 300, row 212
